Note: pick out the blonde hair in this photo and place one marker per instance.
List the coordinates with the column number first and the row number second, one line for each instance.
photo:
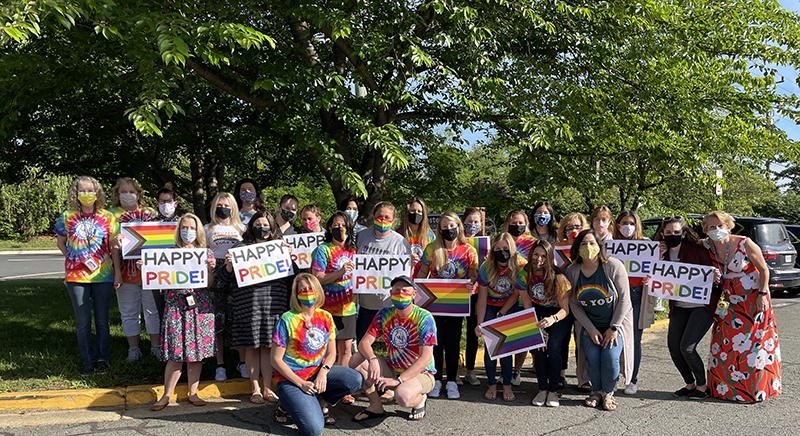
column 139, row 192
column 313, row 209
column 492, row 268
column 200, row 239
column 514, row 213
column 72, row 194
column 294, row 303
column 424, row 230
column 236, row 222
column 723, row 217
column 568, row 218
column 439, row 261
column 603, row 209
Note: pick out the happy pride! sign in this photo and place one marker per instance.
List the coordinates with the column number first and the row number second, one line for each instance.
column 303, row 245
column 638, row 256
column 681, row 282
column 374, row 273
column 176, row 268
column 258, row 263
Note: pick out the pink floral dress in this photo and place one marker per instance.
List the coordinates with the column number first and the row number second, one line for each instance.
column 745, row 363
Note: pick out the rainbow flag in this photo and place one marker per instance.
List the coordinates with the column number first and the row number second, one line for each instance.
column 561, row 254
column 136, row 236
column 512, row 334
column 443, row 297
column 482, row 245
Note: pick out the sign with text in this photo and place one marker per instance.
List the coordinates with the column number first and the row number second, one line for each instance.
column 374, row 272
column 303, row 245
column 176, row 268
column 512, row 334
column 638, row 256
column 258, row 263
column 140, row 235
column 444, row 297
column 681, row 282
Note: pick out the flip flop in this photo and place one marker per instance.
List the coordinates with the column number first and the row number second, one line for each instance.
column 257, row 398
column 369, row 415
column 271, row 397
column 419, row 410
column 348, row 399
column 509, row 398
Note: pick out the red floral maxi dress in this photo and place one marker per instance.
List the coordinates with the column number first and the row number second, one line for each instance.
column 745, row 363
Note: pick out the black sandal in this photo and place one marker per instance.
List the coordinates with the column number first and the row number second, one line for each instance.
column 326, row 413
column 561, row 383
column 417, row 411
column 281, row 415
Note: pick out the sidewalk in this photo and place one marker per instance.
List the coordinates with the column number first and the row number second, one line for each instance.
column 28, row 252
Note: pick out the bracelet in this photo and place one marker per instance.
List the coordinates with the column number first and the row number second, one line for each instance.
column 763, row 293
column 372, row 358
column 555, row 317
column 400, row 379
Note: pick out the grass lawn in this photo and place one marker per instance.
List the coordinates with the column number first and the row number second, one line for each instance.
column 37, row 243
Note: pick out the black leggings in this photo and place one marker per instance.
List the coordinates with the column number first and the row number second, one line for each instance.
column 472, row 340
column 448, row 338
column 686, row 329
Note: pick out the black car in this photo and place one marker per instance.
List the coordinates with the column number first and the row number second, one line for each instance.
column 770, row 234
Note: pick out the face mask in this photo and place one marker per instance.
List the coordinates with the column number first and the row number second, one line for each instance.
column 382, row 225
column 401, row 300
column 627, row 230
column 542, row 219
column 718, row 234
column 673, row 241
column 353, row 214
column 223, row 212
column 128, row 199
column 311, row 225
column 450, row 234
column 589, row 251
column 166, row 209
column 248, row 196
column 415, row 218
column 188, row 236
column 573, row 233
column 516, row 230
column 339, row 234
column 471, row 229
column 307, row 297
column 87, row 199
column 288, row 215
column 603, row 224
column 261, row 232
column 501, row 256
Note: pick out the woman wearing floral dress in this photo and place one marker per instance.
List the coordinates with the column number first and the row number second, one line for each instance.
column 745, row 363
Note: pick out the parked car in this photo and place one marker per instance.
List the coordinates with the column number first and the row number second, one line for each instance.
column 770, row 234
column 794, row 237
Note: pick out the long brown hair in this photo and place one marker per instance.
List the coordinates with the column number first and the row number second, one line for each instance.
column 514, row 213
column 492, row 268
column 637, row 233
column 551, row 270
column 574, row 251
column 424, row 227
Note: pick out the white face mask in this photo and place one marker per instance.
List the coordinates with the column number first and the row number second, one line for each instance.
column 718, row 234
column 603, row 224
column 627, row 230
column 128, row 199
column 167, row 209
column 188, row 236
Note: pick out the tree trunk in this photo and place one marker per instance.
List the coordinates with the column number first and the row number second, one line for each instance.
column 198, row 193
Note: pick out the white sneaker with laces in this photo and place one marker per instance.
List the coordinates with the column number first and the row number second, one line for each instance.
column 631, row 389
column 134, row 353
column 434, row 393
column 242, row 368
column 552, row 399
column 221, row 375
column 472, row 379
column 452, row 391
column 516, row 378
column 540, row 398
column 155, row 352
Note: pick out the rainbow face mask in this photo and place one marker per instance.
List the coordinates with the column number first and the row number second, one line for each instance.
column 572, row 234
column 382, row 225
column 307, row 297
column 402, row 299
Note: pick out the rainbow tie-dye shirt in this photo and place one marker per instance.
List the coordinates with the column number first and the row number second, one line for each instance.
column 306, row 343
column 595, row 298
column 524, row 244
column 130, row 273
column 339, row 299
column 88, row 236
column 405, row 337
column 460, row 260
column 418, row 249
column 502, row 290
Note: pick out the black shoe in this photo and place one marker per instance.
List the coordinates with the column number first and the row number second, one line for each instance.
column 682, row 392
column 102, row 367
column 88, row 369
column 697, row 394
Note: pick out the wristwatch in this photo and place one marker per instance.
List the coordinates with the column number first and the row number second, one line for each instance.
column 326, row 367
column 613, row 329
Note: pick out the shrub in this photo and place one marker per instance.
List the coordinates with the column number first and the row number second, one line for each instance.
column 32, row 206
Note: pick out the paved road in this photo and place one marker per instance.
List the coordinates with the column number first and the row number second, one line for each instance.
column 652, row 411
column 31, row 266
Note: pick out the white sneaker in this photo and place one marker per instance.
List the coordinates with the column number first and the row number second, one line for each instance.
column 540, row 398
column 516, row 378
column 452, row 391
column 243, row 370
column 472, row 379
column 155, row 352
column 631, row 389
column 221, row 374
column 134, row 353
column 434, row 393
column 552, row 399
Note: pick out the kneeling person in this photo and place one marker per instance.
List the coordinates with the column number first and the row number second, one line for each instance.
column 409, row 332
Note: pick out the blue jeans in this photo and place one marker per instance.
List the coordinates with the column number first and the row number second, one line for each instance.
column 548, row 361
column 363, row 321
column 636, row 301
column 305, row 409
column 100, row 295
column 506, row 363
column 602, row 364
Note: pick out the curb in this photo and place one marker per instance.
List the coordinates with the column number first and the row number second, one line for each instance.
column 29, row 252
column 146, row 394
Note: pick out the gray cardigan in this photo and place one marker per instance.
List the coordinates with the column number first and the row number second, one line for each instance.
column 622, row 317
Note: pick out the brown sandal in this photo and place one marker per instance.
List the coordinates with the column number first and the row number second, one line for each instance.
column 609, row 402
column 593, row 400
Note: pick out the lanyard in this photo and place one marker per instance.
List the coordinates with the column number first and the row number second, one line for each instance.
column 727, row 248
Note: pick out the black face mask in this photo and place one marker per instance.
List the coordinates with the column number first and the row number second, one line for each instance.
column 261, row 232
column 502, row 256
column 450, row 234
column 516, row 230
column 287, row 215
column 673, row 241
column 223, row 212
column 415, row 218
column 338, row 234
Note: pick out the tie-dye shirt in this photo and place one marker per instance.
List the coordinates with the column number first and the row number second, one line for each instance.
column 306, row 342
column 130, row 272
column 596, row 299
column 405, row 337
column 498, row 294
column 339, row 299
column 459, row 260
column 221, row 238
column 418, row 249
column 524, row 244
column 547, row 306
column 88, row 236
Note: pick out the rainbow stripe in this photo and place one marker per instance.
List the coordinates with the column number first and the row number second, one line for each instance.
column 512, row 334
column 592, row 292
column 137, row 236
column 444, row 297
column 482, row 245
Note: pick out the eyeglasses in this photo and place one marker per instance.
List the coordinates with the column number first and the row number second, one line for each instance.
column 672, row 219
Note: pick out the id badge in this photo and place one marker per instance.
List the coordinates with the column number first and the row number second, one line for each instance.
column 91, row 263
column 191, row 303
column 722, row 307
